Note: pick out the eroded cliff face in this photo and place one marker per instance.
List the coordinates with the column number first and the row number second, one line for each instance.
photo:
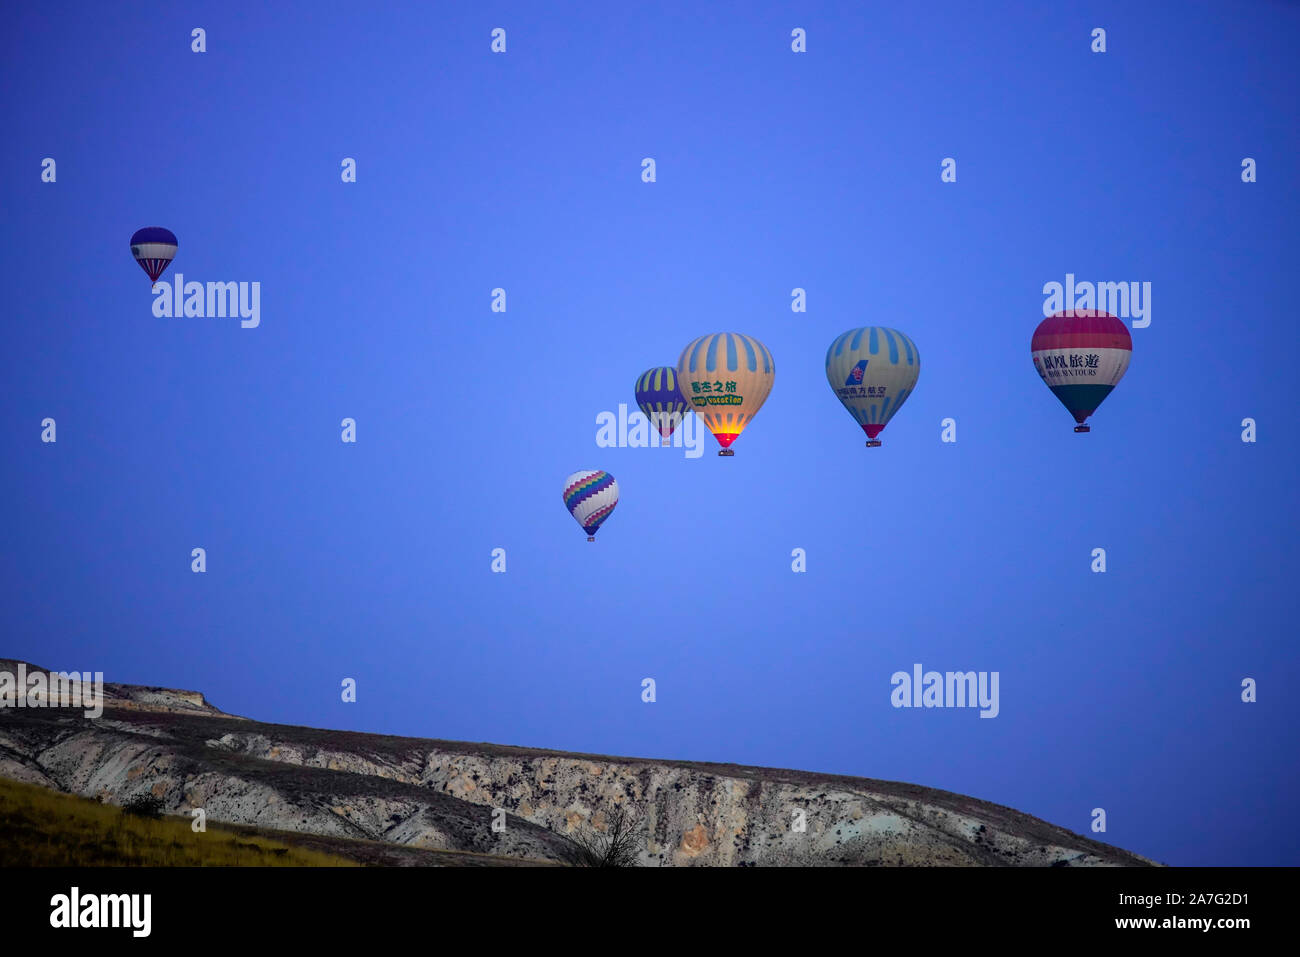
column 693, row 814
column 175, row 746
column 116, row 760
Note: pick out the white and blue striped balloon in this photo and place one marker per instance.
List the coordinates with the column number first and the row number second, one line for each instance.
column 873, row 370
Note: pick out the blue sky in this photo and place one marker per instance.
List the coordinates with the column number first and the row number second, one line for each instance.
column 775, row 170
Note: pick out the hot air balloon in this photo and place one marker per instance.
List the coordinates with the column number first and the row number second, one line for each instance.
column 726, row 378
column 873, row 371
column 590, row 495
column 659, row 399
column 1081, row 355
column 153, row 248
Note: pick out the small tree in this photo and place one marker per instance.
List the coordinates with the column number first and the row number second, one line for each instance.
column 144, row 805
column 616, row 847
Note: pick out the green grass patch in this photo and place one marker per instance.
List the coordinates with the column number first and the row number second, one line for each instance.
column 44, row 828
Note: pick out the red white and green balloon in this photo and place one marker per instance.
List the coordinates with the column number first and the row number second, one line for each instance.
column 1081, row 355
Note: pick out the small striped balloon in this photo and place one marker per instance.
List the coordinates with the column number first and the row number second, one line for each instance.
column 153, row 248
column 658, row 397
column 590, row 497
column 1081, row 355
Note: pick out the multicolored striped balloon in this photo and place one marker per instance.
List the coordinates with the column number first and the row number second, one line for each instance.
column 873, row 371
column 1081, row 355
column 153, row 248
column 658, row 397
column 726, row 377
column 590, row 497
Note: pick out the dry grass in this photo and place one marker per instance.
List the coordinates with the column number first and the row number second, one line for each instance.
column 44, row 828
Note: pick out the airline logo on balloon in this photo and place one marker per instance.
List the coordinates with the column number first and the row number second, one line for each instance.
column 855, row 376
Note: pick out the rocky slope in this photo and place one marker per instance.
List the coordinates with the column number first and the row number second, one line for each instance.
column 421, row 793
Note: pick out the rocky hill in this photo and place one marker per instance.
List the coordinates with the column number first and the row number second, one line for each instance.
column 419, row 793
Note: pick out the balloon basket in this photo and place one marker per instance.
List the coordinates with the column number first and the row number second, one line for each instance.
column 726, row 452
column 591, row 538
column 873, row 443
column 1082, row 428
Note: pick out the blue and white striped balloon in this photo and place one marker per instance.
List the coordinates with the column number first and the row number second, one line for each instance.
column 873, row 371
column 153, row 248
column 658, row 397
